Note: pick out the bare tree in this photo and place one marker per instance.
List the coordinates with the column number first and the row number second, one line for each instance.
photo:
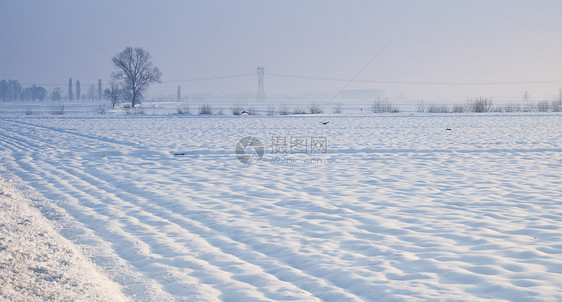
column 179, row 93
column 92, row 92
column 26, row 94
column 56, row 94
column 40, row 92
column 35, row 93
column 15, row 90
column 113, row 93
column 136, row 71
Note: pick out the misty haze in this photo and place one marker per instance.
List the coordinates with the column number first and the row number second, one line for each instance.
column 280, row 150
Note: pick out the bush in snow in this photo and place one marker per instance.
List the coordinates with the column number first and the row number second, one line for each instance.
column 480, row 105
column 438, row 108
column 383, row 106
column 459, row 109
column 183, row 109
column 283, row 109
column 315, row 109
column 556, row 105
column 205, row 109
column 543, row 106
column 236, row 110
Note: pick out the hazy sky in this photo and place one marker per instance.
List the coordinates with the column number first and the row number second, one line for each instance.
column 436, row 50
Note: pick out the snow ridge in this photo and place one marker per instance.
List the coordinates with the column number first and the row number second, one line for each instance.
column 38, row 264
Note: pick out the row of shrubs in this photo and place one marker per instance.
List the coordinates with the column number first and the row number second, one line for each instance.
column 481, row 105
column 250, row 110
column 384, row 106
column 56, row 110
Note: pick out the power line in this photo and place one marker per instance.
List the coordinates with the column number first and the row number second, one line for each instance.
column 317, row 78
column 170, row 81
column 203, row 73
column 210, row 78
column 63, row 85
column 415, row 82
column 358, row 72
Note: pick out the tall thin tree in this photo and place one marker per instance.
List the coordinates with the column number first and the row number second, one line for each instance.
column 179, row 93
column 70, row 91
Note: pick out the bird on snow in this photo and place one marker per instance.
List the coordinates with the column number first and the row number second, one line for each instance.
column 325, row 123
column 448, row 129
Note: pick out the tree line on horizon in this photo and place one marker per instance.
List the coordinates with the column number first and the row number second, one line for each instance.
column 135, row 72
column 13, row 90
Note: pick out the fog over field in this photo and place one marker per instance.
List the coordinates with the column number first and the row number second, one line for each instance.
column 436, row 50
column 280, row 151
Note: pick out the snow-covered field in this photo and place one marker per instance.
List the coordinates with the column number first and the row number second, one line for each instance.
column 38, row 264
column 397, row 208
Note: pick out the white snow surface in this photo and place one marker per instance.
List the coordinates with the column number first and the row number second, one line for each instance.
column 38, row 264
column 399, row 210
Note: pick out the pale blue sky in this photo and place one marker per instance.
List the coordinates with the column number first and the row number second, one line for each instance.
column 430, row 42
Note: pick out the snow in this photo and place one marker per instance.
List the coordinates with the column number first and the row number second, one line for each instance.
column 38, row 264
column 397, row 209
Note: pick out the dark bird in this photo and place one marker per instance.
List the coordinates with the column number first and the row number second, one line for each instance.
column 324, row 123
column 449, row 129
